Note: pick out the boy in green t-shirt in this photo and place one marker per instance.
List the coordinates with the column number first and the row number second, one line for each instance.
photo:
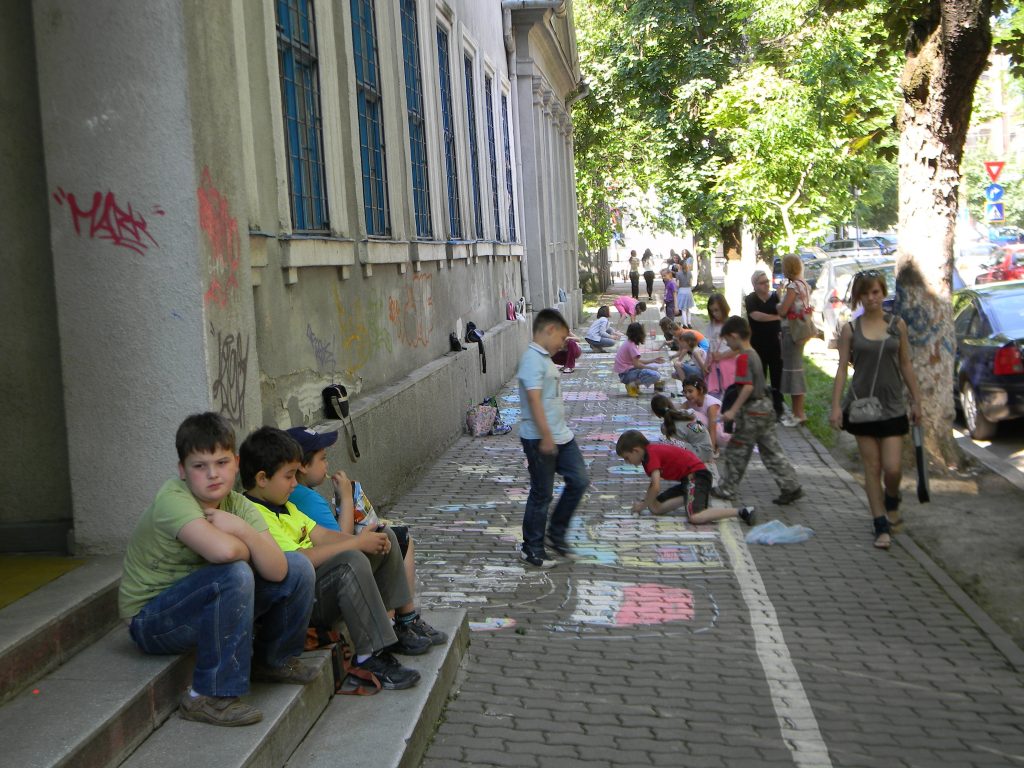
column 200, row 567
column 358, row 578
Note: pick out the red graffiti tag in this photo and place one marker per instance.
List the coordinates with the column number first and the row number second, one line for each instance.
column 124, row 227
column 222, row 233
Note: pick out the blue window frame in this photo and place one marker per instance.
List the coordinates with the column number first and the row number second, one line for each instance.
column 492, row 154
column 451, row 167
column 508, row 172
column 474, row 148
column 303, row 129
column 371, row 128
column 417, row 128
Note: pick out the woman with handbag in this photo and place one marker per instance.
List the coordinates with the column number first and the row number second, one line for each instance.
column 798, row 327
column 874, row 409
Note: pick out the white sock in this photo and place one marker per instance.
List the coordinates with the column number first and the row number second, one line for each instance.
column 192, row 694
column 363, row 657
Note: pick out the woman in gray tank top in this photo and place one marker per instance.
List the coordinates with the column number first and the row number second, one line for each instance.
column 876, row 344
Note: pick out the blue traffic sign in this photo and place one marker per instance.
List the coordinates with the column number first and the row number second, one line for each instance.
column 994, row 212
column 993, row 193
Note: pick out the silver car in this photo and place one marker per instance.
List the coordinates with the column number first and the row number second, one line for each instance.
column 864, row 246
column 829, row 295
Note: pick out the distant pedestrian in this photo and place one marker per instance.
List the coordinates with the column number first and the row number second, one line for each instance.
column 649, row 276
column 876, row 343
column 662, row 461
column 795, row 303
column 548, row 443
column 684, row 295
column 669, row 279
column 634, row 275
column 762, row 305
column 755, row 422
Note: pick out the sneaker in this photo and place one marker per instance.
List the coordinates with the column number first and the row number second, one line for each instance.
column 391, row 674
column 292, row 671
column 423, row 629
column 788, row 497
column 410, row 642
column 718, row 493
column 747, row 515
column 561, row 546
column 540, row 561
column 633, row 390
column 659, row 386
column 217, row 710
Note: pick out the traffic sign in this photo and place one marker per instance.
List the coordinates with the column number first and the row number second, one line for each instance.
column 994, row 168
column 993, row 193
column 994, row 213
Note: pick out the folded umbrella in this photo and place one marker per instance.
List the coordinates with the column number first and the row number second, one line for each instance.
column 922, row 466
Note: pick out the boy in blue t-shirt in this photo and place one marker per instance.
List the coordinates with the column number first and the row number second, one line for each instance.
column 344, row 517
column 548, row 443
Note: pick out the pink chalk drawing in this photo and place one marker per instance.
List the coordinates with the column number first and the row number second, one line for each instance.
column 622, row 604
column 107, row 220
column 221, row 230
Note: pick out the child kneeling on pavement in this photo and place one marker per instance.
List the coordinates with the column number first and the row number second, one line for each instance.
column 200, row 567
column 670, row 462
column 754, row 414
column 358, row 578
column 348, row 520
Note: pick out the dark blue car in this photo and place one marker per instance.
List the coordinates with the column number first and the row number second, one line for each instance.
column 988, row 321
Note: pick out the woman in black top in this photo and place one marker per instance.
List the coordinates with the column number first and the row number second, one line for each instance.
column 762, row 306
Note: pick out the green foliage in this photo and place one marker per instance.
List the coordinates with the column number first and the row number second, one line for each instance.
column 715, row 110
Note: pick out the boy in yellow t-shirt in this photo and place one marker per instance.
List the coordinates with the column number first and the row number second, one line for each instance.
column 358, row 578
column 200, row 567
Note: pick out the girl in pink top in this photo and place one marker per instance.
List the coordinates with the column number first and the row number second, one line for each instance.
column 629, row 307
column 632, row 369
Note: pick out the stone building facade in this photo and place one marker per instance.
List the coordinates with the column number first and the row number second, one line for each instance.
column 230, row 205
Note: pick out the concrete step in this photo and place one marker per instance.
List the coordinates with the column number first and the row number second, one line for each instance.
column 288, row 713
column 47, row 627
column 95, row 709
column 393, row 728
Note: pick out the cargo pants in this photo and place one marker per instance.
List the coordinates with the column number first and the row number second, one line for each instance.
column 755, row 425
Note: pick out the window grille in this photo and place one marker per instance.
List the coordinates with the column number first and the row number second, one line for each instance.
column 508, row 172
column 451, row 167
column 492, row 155
column 417, row 128
column 474, row 148
column 300, row 95
column 371, row 129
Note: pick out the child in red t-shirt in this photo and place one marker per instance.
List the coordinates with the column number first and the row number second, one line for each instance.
column 670, row 462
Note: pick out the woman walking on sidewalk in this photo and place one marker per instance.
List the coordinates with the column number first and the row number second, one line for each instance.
column 874, row 409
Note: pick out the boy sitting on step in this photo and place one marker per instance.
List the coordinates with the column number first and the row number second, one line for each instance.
column 200, row 567
column 358, row 578
column 350, row 515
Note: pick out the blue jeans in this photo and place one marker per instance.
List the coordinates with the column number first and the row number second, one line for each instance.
column 213, row 609
column 568, row 462
column 640, row 376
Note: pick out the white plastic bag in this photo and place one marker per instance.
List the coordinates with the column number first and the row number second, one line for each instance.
column 777, row 532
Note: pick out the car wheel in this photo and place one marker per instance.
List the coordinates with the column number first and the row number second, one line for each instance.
column 978, row 426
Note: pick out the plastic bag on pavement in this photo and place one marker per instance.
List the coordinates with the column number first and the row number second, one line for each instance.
column 777, row 532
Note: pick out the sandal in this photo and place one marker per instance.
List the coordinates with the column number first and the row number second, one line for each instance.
column 883, row 540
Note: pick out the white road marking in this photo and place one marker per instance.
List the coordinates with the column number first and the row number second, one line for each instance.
column 796, row 718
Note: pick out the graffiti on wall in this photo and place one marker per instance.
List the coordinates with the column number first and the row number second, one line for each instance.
column 221, row 230
column 106, row 219
column 361, row 330
column 232, row 375
column 323, row 350
column 411, row 311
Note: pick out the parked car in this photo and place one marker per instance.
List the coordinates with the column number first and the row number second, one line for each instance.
column 1007, row 264
column 864, row 246
column 1006, row 235
column 833, row 284
column 988, row 370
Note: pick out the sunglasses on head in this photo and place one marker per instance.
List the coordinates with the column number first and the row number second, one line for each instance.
column 869, row 273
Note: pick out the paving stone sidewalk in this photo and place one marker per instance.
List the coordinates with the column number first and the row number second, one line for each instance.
column 665, row 644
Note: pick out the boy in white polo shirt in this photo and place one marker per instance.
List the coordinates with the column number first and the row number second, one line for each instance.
column 548, row 443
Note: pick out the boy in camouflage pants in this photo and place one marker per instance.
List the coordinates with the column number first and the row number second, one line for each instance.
column 754, row 415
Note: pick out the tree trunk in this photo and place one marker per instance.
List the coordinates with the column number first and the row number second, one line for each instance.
column 946, row 53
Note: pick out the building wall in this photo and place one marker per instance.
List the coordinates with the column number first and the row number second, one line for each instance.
column 183, row 282
column 35, row 500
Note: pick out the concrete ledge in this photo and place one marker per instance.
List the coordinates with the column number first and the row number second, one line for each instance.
column 47, row 627
column 288, row 713
column 393, row 728
column 94, row 710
